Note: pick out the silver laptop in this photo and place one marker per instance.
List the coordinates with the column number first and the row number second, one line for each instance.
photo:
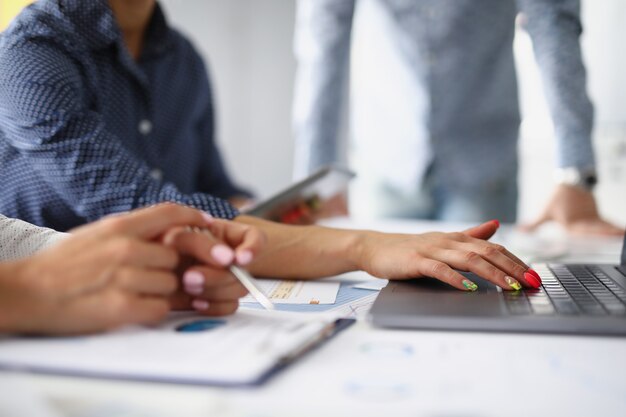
column 573, row 298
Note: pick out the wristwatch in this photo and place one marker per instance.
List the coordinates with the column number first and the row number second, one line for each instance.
column 585, row 179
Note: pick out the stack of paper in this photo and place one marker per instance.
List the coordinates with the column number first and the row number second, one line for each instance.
column 242, row 349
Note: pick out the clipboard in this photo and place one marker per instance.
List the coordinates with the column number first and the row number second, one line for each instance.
column 185, row 349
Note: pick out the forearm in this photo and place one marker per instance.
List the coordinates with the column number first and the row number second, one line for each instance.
column 21, row 239
column 555, row 29
column 11, row 303
column 306, row 251
column 311, row 251
column 322, row 47
column 110, row 179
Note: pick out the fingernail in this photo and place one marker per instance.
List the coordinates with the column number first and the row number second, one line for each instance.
column 193, row 279
column 513, row 283
column 193, row 289
column 207, row 217
column 497, row 222
column 222, row 254
column 471, row 286
column 532, row 280
column 244, row 257
column 532, row 271
column 200, row 305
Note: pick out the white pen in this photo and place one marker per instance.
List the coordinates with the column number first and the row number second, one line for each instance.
column 250, row 284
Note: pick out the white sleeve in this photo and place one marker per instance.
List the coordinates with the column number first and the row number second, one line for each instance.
column 19, row 239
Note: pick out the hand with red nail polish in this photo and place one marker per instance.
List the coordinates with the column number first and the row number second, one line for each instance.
column 311, row 251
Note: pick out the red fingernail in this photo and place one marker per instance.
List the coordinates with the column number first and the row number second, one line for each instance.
column 532, row 280
column 532, row 271
column 497, row 222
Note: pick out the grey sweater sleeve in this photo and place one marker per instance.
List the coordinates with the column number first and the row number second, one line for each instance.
column 19, row 239
column 555, row 29
column 322, row 48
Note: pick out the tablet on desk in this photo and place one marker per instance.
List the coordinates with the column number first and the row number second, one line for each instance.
column 304, row 198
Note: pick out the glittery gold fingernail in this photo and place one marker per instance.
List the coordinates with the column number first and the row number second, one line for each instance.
column 513, row 283
column 469, row 285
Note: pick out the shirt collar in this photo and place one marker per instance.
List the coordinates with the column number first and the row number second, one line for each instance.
column 95, row 22
column 158, row 37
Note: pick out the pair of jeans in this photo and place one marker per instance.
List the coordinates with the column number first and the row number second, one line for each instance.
column 372, row 198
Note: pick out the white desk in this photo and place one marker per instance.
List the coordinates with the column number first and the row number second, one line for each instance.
column 374, row 372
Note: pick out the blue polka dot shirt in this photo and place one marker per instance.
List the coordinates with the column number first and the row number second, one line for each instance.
column 86, row 130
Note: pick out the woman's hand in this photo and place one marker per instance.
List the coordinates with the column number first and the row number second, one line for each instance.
column 437, row 255
column 104, row 275
column 308, row 252
column 207, row 284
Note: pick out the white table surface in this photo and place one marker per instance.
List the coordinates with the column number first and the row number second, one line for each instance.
column 374, row 372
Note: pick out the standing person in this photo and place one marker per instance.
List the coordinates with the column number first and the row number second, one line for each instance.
column 104, row 108
column 459, row 163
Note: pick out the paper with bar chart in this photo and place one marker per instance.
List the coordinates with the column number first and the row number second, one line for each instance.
column 297, row 292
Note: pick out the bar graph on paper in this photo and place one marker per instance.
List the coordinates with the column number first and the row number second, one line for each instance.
column 357, row 308
column 282, row 291
column 349, row 301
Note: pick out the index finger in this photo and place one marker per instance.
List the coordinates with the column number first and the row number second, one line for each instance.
column 200, row 244
column 502, row 250
column 151, row 222
column 489, row 260
column 246, row 240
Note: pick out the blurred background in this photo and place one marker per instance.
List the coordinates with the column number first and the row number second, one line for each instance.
column 248, row 45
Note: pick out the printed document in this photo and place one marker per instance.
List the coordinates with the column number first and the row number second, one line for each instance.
column 237, row 350
column 282, row 291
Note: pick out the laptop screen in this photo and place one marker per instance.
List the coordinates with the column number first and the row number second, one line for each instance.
column 623, row 260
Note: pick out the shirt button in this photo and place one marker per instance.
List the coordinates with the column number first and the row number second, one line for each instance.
column 145, row 127
column 156, row 174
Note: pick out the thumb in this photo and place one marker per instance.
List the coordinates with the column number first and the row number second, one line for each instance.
column 483, row 231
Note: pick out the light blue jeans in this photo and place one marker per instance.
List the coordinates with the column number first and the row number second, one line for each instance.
column 373, row 199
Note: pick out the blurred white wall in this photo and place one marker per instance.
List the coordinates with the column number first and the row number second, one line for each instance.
column 248, row 44
column 248, row 47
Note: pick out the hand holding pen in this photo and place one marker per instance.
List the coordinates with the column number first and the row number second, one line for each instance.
column 213, row 279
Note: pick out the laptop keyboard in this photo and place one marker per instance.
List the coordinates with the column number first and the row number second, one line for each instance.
column 569, row 290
